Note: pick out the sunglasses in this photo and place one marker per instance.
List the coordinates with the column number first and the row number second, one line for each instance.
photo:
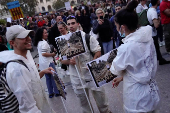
column 69, row 17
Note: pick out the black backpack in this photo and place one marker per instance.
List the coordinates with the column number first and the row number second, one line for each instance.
column 8, row 101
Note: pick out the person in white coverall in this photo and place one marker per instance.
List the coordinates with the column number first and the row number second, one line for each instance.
column 25, row 84
column 80, row 61
column 136, row 63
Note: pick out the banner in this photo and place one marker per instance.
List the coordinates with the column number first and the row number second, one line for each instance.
column 100, row 68
column 70, row 45
column 15, row 10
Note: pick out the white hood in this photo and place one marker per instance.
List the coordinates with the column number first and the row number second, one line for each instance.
column 8, row 55
column 142, row 35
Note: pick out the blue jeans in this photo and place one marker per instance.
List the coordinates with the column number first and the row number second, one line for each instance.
column 107, row 46
column 51, row 85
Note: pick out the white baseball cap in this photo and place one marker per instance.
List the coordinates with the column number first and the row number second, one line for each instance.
column 16, row 31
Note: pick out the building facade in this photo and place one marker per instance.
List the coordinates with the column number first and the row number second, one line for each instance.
column 47, row 5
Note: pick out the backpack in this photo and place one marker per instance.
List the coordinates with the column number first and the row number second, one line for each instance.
column 8, row 101
column 142, row 17
column 87, row 38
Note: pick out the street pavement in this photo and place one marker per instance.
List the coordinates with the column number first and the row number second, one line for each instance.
column 115, row 97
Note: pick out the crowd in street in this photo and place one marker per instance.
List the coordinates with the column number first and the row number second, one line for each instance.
column 110, row 25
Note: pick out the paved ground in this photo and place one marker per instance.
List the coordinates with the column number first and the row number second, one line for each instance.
column 114, row 95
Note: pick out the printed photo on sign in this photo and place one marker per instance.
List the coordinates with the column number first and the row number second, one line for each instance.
column 100, row 68
column 70, row 45
column 59, row 84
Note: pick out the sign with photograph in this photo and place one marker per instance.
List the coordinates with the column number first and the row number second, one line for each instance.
column 70, row 45
column 15, row 10
column 100, row 68
column 59, row 85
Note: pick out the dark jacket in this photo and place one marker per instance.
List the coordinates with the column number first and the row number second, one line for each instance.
column 53, row 33
column 105, row 30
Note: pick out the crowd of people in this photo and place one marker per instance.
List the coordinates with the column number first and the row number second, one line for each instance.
column 110, row 25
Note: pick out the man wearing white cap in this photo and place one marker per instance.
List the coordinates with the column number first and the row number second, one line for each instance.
column 24, row 82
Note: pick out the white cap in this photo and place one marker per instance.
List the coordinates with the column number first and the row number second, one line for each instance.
column 16, row 31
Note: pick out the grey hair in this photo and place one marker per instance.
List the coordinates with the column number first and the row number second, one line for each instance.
column 100, row 9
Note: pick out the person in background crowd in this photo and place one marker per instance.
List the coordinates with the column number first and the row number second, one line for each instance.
column 63, row 16
column 154, row 21
column 85, row 21
column 103, row 27
column 41, row 22
column 135, row 63
column 92, row 15
column 2, row 44
column 160, row 28
column 165, row 20
column 24, row 82
column 78, row 16
column 46, row 59
column 29, row 21
column 116, row 35
column 108, row 11
column 122, row 3
column 53, row 21
column 54, row 32
column 141, row 6
column 84, row 7
column 98, row 93
column 62, row 27
column 36, row 19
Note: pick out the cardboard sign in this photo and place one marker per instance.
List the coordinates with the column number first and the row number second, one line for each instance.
column 15, row 10
column 100, row 68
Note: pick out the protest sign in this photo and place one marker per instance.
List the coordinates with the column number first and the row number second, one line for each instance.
column 59, row 85
column 15, row 10
column 70, row 45
column 67, row 5
column 100, row 68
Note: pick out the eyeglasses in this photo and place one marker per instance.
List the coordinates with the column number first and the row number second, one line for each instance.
column 100, row 13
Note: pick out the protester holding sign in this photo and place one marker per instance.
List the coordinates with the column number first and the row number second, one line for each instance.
column 80, row 62
column 135, row 63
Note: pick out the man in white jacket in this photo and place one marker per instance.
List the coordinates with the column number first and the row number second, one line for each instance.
column 24, row 83
column 80, row 61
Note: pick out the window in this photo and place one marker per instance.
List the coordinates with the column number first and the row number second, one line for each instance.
column 49, row 8
column 47, row 0
column 43, row 8
column 41, row 1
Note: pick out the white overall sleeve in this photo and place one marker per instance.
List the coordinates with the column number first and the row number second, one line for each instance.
column 94, row 45
column 20, row 88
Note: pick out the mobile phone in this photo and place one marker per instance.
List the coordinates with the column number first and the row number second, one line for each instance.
column 101, row 17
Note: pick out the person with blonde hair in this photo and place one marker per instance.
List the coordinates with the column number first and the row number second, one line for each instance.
column 103, row 27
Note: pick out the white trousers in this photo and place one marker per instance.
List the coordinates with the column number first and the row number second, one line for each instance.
column 99, row 97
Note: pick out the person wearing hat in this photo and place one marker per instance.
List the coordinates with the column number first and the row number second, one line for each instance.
column 24, row 82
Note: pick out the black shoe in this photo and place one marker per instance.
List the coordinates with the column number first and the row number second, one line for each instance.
column 51, row 95
column 56, row 95
column 163, row 61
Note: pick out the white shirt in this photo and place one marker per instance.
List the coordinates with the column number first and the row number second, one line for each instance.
column 25, row 84
column 44, row 47
column 151, row 15
column 136, row 61
column 140, row 8
column 81, row 61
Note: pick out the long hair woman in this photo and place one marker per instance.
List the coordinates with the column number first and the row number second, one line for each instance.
column 135, row 63
column 46, row 59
